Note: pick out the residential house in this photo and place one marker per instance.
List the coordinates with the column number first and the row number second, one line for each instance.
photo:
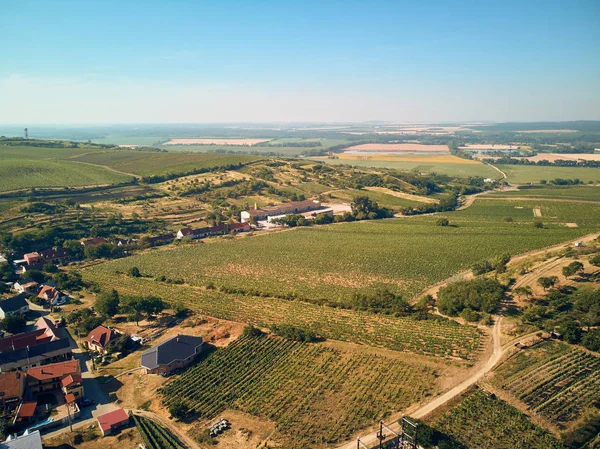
column 32, row 356
column 12, row 387
column 25, row 412
column 51, row 295
column 110, row 422
column 127, row 242
column 14, row 306
column 27, row 287
column 55, row 256
column 50, row 377
column 239, row 227
column 32, row 258
column 93, row 242
column 29, row 440
column 217, row 229
column 295, row 207
column 193, row 234
column 73, row 385
column 161, row 239
column 100, row 337
column 176, row 352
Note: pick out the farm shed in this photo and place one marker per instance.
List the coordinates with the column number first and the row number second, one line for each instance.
column 176, row 352
column 112, row 421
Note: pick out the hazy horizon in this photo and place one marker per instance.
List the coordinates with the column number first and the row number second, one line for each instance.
column 104, row 63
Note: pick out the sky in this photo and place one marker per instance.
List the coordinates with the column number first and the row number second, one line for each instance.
column 199, row 61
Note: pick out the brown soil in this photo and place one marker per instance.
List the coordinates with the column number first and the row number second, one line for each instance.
column 127, row 438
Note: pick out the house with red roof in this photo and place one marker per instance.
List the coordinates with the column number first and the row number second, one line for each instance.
column 50, row 377
column 25, row 412
column 12, row 387
column 239, row 227
column 93, row 242
column 110, row 422
column 51, row 294
column 73, row 385
column 99, row 338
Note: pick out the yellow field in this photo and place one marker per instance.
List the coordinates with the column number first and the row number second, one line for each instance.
column 420, row 158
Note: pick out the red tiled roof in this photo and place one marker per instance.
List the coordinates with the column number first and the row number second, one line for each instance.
column 10, row 384
column 70, row 398
column 53, row 370
column 234, row 226
column 113, row 418
column 27, row 410
column 101, row 336
column 70, row 379
column 20, row 341
column 95, row 241
column 49, row 292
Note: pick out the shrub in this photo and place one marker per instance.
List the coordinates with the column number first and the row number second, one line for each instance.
column 443, row 222
column 251, row 331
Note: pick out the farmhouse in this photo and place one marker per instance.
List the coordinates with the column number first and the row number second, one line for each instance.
column 112, row 421
column 12, row 387
column 93, row 242
column 176, row 352
column 32, row 356
column 99, row 338
column 296, row 207
column 14, row 306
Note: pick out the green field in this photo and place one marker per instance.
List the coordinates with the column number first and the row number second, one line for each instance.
column 25, row 173
column 555, row 380
column 584, row 193
column 461, row 170
column 156, row 436
column 480, row 421
column 316, row 395
column 331, row 263
column 150, row 163
column 525, row 174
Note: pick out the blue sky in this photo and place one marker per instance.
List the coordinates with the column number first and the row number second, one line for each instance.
column 220, row 61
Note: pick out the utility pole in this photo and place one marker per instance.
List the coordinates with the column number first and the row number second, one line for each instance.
column 70, row 421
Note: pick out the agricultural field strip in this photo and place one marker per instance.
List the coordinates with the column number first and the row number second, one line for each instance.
column 293, row 383
column 156, row 436
column 558, row 388
column 433, row 338
column 482, row 422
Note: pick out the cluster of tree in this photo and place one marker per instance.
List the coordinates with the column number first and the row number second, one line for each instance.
column 430, row 438
column 65, row 280
column 295, row 144
column 292, row 196
column 251, row 331
column 135, row 307
column 575, row 312
column 477, row 295
column 498, row 263
column 557, row 163
column 154, row 179
column 562, row 182
column 240, row 189
column 13, row 323
column 42, row 208
column 382, row 301
column 447, row 203
column 363, row 208
column 294, row 333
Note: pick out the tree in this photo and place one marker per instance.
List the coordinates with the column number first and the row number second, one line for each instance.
column 443, row 222
column 251, row 331
column 131, row 306
column 571, row 332
column 523, row 291
column 178, row 409
column 480, row 295
column 427, row 302
column 134, row 272
column 180, row 310
column 108, row 303
column 595, row 261
column 34, row 275
column 50, row 268
column 13, row 323
column 591, row 340
column 572, row 269
column 151, row 305
column 547, row 282
column 538, row 224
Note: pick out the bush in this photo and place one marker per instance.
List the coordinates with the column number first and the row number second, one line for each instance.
column 134, row 272
column 443, row 222
column 178, row 409
column 538, row 224
column 469, row 315
column 294, row 333
column 251, row 331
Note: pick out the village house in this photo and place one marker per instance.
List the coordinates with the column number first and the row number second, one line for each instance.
column 12, row 387
column 32, row 356
column 296, row 207
column 32, row 258
column 110, row 422
column 55, row 255
column 27, row 287
column 161, row 239
column 51, row 295
column 29, row 339
column 93, row 242
column 29, row 440
column 100, row 337
column 176, row 352
column 17, row 305
column 193, row 234
column 63, row 376
column 240, row 227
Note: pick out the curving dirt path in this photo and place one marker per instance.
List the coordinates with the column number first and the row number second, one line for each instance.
column 504, row 176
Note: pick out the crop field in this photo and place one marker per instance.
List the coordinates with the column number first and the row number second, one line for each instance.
column 480, row 421
column 156, row 436
column 382, row 198
column 211, row 141
column 524, row 174
column 400, row 147
column 555, row 380
column 316, row 395
column 331, row 263
column 18, row 174
column 454, row 166
column 585, row 193
column 443, row 338
column 149, row 163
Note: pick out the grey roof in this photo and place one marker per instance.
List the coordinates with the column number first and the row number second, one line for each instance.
column 30, row 441
column 14, row 303
column 179, row 347
column 33, row 351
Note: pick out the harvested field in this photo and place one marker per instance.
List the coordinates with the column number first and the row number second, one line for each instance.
column 422, row 158
column 399, row 147
column 246, row 142
column 537, row 212
column 551, row 131
column 552, row 157
column 491, row 146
